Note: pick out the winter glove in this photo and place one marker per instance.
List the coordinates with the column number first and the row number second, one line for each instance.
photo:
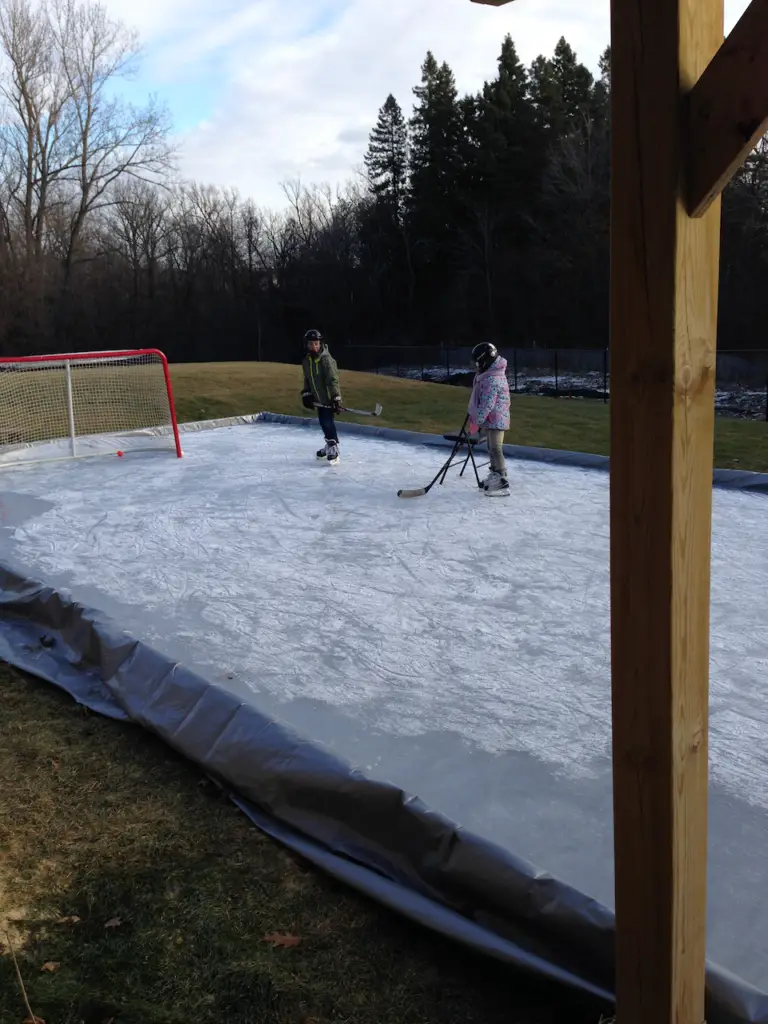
column 336, row 404
column 307, row 400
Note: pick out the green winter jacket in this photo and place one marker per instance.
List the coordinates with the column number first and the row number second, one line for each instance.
column 321, row 377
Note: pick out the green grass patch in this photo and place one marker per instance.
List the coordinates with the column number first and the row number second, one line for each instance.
column 225, row 389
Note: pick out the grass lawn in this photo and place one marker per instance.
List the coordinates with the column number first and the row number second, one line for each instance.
column 134, row 893
column 204, row 391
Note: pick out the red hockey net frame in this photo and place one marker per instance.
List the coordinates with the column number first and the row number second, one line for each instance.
column 65, row 397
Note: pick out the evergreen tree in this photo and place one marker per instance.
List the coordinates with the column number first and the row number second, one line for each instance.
column 601, row 93
column 438, row 162
column 437, row 137
column 508, row 142
column 387, row 158
column 508, row 158
column 383, row 228
column 561, row 91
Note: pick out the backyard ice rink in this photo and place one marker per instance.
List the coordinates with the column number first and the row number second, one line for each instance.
column 454, row 645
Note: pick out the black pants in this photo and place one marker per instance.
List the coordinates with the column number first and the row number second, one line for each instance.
column 328, row 424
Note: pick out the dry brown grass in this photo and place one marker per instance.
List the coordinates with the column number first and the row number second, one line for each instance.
column 148, row 895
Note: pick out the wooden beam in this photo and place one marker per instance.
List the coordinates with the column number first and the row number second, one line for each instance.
column 663, row 332
column 729, row 108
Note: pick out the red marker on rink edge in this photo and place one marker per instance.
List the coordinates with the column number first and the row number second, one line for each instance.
column 120, row 454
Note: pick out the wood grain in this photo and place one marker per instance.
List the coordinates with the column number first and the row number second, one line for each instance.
column 728, row 109
column 663, row 333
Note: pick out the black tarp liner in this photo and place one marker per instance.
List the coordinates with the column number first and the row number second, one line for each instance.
column 368, row 833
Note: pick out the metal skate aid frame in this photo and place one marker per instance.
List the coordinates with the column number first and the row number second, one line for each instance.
column 459, row 440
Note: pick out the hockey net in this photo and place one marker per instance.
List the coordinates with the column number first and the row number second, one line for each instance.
column 79, row 404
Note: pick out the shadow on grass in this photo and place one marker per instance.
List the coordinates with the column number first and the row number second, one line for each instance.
column 149, row 897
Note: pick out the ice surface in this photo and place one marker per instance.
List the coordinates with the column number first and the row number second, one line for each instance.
column 455, row 645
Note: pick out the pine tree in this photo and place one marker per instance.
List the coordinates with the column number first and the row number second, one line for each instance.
column 561, row 90
column 508, row 154
column 509, row 145
column 438, row 164
column 387, row 158
column 601, row 93
column 437, row 136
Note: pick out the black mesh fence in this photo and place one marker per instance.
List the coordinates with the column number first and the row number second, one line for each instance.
column 741, row 377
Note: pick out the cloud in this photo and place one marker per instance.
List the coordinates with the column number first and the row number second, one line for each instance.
column 266, row 90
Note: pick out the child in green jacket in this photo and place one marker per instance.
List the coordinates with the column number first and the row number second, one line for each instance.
column 322, row 391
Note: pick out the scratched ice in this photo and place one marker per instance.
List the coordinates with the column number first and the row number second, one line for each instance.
column 452, row 644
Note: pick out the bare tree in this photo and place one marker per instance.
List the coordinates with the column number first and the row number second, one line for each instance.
column 68, row 138
column 113, row 139
column 137, row 227
column 38, row 124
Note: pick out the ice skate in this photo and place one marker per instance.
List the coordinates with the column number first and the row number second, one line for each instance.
column 496, row 486
column 333, row 453
column 322, row 454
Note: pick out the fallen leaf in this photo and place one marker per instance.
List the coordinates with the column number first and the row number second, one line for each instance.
column 113, row 922
column 51, row 966
column 284, row 941
column 69, row 920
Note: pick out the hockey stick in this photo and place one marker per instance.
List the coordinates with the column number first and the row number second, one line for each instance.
column 377, row 411
column 459, row 439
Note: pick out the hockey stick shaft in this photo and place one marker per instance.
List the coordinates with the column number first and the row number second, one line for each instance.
column 418, row 492
column 377, row 410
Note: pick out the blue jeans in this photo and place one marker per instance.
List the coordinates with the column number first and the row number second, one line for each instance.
column 328, row 424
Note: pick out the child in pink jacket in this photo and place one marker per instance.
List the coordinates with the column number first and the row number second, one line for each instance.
column 489, row 411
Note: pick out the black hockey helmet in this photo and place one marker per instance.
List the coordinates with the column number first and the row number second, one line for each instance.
column 484, row 354
column 312, row 336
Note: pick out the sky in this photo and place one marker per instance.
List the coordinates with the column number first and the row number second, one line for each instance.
column 266, row 91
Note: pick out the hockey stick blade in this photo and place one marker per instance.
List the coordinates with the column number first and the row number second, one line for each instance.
column 416, row 493
column 365, row 412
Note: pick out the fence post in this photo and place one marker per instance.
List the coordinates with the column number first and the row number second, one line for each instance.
column 557, row 376
column 447, row 365
column 605, row 375
column 514, row 363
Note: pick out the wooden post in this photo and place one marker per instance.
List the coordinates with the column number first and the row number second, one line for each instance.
column 664, row 276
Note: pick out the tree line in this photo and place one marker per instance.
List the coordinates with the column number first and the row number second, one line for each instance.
column 478, row 216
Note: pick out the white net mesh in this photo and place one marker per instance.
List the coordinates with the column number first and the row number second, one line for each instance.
column 45, row 405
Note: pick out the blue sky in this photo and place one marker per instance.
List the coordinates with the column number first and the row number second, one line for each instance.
column 263, row 91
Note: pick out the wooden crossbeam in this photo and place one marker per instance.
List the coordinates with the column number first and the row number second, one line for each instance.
column 664, row 276
column 728, row 108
